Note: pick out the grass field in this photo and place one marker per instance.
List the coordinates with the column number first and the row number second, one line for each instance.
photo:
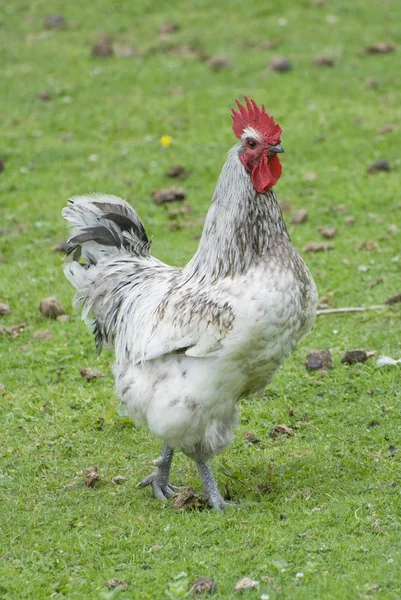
column 321, row 509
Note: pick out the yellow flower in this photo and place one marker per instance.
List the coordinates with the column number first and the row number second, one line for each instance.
column 166, row 140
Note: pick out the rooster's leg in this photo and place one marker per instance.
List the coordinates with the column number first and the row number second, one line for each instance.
column 159, row 478
column 215, row 499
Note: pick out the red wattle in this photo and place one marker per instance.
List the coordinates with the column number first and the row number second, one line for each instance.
column 266, row 174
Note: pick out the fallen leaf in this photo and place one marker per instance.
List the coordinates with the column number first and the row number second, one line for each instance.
column 103, row 48
column 173, row 194
column 54, row 22
column 117, row 583
column 379, row 48
column 352, row 357
column 51, row 307
column 300, row 216
column 324, row 61
column 90, row 374
column 188, row 499
column 379, row 165
column 328, row 232
column 280, row 64
column 245, row 584
column 5, row 309
column 281, row 429
column 393, row 299
column 92, row 475
column 319, row 359
column 317, row 247
column 203, row 585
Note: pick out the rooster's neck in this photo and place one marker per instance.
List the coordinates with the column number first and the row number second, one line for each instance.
column 241, row 226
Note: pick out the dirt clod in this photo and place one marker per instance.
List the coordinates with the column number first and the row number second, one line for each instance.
column 393, row 299
column 281, row 429
column 188, row 499
column 103, row 48
column 320, row 359
column 14, row 330
column 280, row 64
column 369, row 245
column 379, row 165
column 45, row 96
column 114, row 583
column 352, row 357
column 51, row 307
column 177, row 172
column 387, row 128
column 317, row 247
column 300, row 216
column 285, row 206
column 92, row 475
column 90, row 374
column 43, row 335
column 328, row 232
column 172, row 194
column 380, row 48
column 119, row 479
column 54, row 22
column 169, row 28
column 251, row 438
column 4, row 309
column 218, row 63
column 324, row 61
column 245, row 584
column 203, row 585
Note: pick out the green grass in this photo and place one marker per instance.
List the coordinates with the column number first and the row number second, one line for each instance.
column 332, row 506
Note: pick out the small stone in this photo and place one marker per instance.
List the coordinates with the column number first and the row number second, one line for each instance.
column 317, row 247
column 92, row 475
column 203, row 585
column 320, row 359
column 45, row 96
column 380, row 48
column 245, row 584
column 328, row 232
column 280, row 64
column 90, row 374
column 177, row 172
column 379, row 165
column 114, row 583
column 5, row 309
column 393, row 299
column 54, row 22
column 51, row 307
column 217, row 63
column 173, row 194
column 324, row 61
column 119, row 479
column 300, row 216
column 103, row 48
column 281, row 429
column 251, row 438
column 352, row 357
column 188, row 499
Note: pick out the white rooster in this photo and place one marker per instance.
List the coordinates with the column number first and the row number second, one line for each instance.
column 191, row 342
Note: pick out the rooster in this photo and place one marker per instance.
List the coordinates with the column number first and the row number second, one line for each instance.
column 191, row 342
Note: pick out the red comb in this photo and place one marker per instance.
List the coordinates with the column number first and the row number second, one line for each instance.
column 253, row 116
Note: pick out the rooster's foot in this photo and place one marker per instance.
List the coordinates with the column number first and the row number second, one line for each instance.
column 215, row 499
column 161, row 487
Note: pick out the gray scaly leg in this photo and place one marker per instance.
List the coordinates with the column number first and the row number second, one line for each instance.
column 215, row 499
column 159, row 478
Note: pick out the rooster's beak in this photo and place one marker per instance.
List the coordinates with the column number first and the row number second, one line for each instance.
column 276, row 149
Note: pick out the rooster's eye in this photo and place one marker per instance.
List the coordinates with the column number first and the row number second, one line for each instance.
column 251, row 144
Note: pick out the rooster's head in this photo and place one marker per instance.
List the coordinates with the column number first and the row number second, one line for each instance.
column 260, row 144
